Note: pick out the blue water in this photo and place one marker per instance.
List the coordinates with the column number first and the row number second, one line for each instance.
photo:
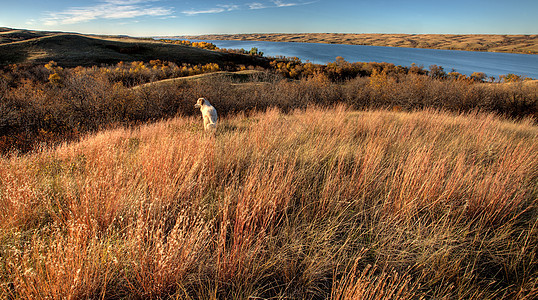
column 465, row 62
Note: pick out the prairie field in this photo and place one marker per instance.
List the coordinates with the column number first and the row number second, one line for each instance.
column 314, row 203
column 338, row 181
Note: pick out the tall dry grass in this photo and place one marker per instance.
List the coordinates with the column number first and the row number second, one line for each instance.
column 318, row 203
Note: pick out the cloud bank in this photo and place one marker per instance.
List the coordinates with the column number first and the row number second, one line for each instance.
column 129, row 9
column 107, row 9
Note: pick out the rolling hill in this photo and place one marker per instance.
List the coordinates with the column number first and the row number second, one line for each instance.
column 72, row 49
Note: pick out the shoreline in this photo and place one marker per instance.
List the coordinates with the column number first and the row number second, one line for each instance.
column 521, row 44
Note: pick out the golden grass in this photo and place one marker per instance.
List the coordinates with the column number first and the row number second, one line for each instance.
column 313, row 204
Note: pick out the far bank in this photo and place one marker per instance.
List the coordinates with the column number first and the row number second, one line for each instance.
column 525, row 44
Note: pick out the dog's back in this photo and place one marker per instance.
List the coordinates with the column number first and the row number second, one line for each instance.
column 209, row 114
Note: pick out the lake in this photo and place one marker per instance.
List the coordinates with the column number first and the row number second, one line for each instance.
column 465, row 62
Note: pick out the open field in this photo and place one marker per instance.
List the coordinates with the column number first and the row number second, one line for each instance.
column 337, row 181
column 72, row 50
column 318, row 203
column 527, row 44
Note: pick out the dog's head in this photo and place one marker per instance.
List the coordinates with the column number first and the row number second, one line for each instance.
column 200, row 102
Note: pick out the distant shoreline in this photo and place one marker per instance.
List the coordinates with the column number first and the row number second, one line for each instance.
column 523, row 44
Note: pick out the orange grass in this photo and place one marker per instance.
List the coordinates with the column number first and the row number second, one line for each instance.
column 317, row 203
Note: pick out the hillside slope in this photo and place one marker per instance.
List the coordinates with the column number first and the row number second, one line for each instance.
column 71, row 49
column 8, row 35
column 245, row 77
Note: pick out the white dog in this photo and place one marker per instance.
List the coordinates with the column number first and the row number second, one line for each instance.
column 209, row 113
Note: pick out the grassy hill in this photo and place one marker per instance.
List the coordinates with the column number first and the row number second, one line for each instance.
column 239, row 78
column 316, row 204
column 71, row 49
column 8, row 35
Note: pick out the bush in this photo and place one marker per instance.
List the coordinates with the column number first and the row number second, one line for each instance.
column 43, row 104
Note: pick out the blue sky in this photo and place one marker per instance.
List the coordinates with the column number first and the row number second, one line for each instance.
column 179, row 17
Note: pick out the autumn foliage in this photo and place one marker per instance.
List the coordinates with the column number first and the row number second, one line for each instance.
column 45, row 104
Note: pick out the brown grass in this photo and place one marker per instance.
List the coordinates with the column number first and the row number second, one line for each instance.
column 313, row 204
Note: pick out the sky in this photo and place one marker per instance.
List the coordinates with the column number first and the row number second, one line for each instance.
column 191, row 17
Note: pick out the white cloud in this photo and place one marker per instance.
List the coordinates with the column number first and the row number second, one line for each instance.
column 193, row 12
column 216, row 10
column 282, row 4
column 108, row 9
column 248, row 6
column 256, row 5
column 230, row 7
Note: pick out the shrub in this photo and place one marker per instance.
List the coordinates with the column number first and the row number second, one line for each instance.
column 47, row 103
column 478, row 76
column 509, row 78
